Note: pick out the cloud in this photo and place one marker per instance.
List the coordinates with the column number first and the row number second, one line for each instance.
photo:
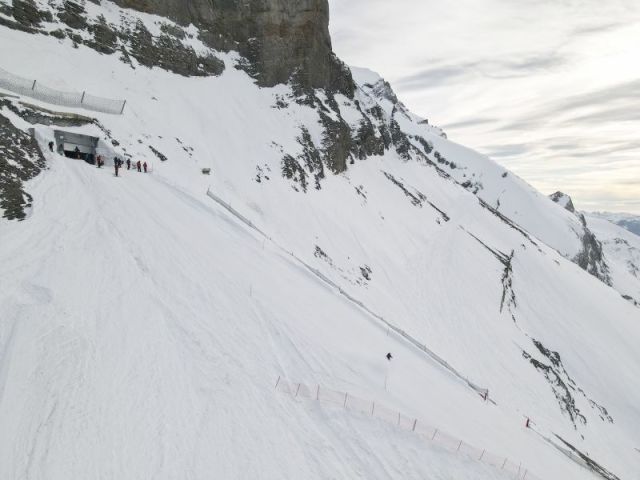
column 625, row 91
column 548, row 88
column 491, row 68
column 616, row 103
column 593, row 29
column 470, row 123
column 432, row 77
column 511, row 150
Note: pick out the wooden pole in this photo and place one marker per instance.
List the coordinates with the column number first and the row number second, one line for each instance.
column 123, row 104
column 33, row 87
column 82, row 99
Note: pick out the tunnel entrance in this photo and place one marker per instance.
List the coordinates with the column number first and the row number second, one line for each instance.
column 76, row 146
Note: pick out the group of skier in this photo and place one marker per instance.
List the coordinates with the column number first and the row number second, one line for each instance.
column 118, row 163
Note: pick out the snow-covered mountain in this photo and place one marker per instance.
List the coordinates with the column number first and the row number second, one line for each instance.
column 624, row 220
column 622, row 249
column 614, row 247
column 146, row 321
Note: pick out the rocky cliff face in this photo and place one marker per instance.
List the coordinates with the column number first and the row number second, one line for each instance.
column 281, row 39
column 591, row 258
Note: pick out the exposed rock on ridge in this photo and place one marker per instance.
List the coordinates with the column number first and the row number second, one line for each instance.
column 280, row 38
column 591, row 257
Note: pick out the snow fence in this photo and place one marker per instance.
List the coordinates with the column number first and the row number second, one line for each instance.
column 428, row 433
column 34, row 89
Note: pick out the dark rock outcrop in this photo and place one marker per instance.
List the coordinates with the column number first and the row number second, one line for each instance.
column 281, row 39
column 20, row 161
column 591, row 257
column 563, row 200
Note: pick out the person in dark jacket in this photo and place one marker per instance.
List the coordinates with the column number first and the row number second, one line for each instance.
column 139, row 165
column 144, row 165
column 116, row 164
column 51, row 146
column 128, row 164
column 389, row 356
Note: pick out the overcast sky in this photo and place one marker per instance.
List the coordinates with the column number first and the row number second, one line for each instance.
column 548, row 88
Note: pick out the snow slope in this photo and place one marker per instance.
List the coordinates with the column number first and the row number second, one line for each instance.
column 144, row 331
column 143, row 325
column 622, row 249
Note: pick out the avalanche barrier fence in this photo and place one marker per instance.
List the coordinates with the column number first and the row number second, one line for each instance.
column 428, row 433
column 34, row 89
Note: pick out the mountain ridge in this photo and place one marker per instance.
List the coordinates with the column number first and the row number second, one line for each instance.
column 448, row 246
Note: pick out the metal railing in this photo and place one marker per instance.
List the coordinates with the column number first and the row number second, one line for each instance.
column 34, row 89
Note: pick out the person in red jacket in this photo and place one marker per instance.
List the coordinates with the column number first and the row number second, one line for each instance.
column 144, row 165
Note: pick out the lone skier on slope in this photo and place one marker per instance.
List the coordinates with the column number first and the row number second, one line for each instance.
column 389, row 356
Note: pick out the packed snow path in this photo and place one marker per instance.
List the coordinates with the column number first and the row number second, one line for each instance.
column 129, row 348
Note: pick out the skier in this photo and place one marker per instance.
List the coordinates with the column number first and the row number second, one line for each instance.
column 144, row 165
column 99, row 160
column 116, row 164
column 77, row 152
column 139, row 166
column 528, row 423
column 51, row 146
column 389, row 356
column 128, row 164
